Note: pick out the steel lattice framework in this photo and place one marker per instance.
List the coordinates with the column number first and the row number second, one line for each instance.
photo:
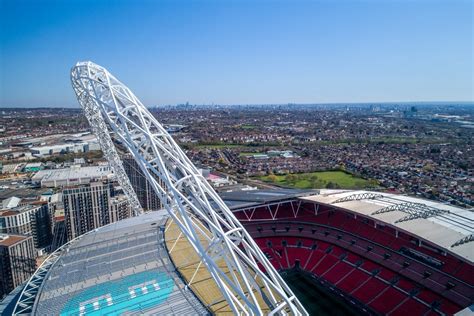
column 359, row 197
column 28, row 296
column 462, row 241
column 96, row 121
column 414, row 211
column 189, row 199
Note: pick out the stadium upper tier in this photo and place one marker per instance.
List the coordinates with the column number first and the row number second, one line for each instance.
column 119, row 268
column 387, row 253
column 448, row 227
column 342, row 239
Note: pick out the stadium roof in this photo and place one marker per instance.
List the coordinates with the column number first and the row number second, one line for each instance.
column 447, row 226
column 241, row 199
column 121, row 268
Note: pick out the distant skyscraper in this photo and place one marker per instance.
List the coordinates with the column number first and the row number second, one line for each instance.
column 17, row 261
column 144, row 191
column 89, row 206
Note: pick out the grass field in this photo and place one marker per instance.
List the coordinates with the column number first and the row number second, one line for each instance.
column 318, row 180
column 247, row 126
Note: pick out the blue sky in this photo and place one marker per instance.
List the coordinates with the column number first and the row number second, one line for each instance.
column 240, row 52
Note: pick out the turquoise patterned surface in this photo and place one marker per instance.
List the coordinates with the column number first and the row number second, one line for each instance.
column 133, row 293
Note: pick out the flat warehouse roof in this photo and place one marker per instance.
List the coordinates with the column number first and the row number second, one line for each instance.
column 72, row 173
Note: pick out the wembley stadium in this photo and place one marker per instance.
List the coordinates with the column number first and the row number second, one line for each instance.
column 379, row 253
column 382, row 253
column 257, row 252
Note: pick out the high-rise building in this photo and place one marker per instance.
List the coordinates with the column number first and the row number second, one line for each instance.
column 56, row 211
column 89, row 206
column 142, row 187
column 119, row 208
column 31, row 219
column 41, row 225
column 17, row 261
column 59, row 233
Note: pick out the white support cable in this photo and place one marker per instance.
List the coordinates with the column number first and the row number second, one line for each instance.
column 183, row 191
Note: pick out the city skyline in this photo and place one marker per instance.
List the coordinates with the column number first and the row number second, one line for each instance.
column 241, row 52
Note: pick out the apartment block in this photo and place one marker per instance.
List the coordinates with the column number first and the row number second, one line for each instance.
column 17, row 261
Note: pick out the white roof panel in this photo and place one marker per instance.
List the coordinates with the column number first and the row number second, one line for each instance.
column 440, row 224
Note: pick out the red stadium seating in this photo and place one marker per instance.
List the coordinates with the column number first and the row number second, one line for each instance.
column 410, row 307
column 338, row 272
column 405, row 285
column 387, row 300
column 360, row 259
column 300, row 254
column 369, row 290
column 387, row 275
column 352, row 281
column 352, row 258
column 322, row 266
column 369, row 266
column 465, row 272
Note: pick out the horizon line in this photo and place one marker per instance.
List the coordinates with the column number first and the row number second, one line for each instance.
column 256, row 104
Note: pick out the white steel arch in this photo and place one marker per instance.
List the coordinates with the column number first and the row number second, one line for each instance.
column 191, row 202
column 96, row 121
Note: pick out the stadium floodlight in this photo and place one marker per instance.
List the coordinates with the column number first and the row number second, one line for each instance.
column 210, row 227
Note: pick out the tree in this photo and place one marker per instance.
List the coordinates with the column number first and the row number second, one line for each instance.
column 372, row 183
column 332, row 185
column 314, row 181
column 272, row 178
column 291, row 179
column 428, row 167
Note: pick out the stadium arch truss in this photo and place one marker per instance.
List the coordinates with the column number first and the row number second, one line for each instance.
column 359, row 197
column 96, row 121
column 414, row 211
column 213, row 231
